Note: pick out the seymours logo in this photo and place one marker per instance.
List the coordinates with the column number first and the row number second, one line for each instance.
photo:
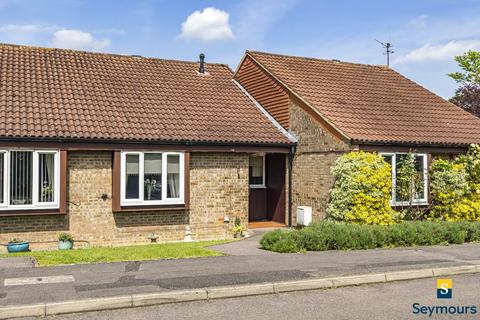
column 444, row 288
column 444, row 291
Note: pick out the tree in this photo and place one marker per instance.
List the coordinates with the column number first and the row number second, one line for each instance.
column 467, row 96
column 469, row 62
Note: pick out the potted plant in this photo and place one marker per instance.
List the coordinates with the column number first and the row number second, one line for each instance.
column 16, row 245
column 238, row 228
column 65, row 241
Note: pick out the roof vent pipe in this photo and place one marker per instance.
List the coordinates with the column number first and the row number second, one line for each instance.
column 201, row 69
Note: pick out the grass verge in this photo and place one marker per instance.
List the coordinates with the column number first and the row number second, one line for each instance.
column 128, row 253
column 328, row 235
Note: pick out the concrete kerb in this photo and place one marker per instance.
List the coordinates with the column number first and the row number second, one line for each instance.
column 211, row 293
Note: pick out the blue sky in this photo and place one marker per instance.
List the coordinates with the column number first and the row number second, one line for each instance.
column 426, row 34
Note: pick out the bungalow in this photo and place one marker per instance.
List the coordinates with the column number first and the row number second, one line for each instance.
column 116, row 148
column 333, row 107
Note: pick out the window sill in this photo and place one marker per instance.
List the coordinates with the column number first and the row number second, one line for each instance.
column 165, row 207
column 30, row 212
column 257, row 187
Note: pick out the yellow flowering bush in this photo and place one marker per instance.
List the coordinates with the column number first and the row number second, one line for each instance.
column 455, row 186
column 362, row 189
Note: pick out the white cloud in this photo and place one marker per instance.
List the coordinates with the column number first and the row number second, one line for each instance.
column 76, row 39
column 446, row 51
column 419, row 22
column 209, row 24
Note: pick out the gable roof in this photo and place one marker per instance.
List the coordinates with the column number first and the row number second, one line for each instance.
column 371, row 104
column 57, row 93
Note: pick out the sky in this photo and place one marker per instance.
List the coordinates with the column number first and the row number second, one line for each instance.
column 426, row 34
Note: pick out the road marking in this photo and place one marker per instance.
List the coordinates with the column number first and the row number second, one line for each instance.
column 38, row 280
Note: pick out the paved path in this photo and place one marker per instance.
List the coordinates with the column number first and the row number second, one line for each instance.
column 99, row 280
column 382, row 301
column 246, row 247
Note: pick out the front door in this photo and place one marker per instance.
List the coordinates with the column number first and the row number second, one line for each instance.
column 267, row 188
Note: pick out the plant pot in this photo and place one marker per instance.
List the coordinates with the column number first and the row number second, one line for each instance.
column 18, row 247
column 237, row 235
column 65, row 245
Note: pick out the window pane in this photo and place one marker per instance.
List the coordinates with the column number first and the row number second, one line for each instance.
column 46, row 177
column 2, row 159
column 173, row 176
column 152, row 176
column 132, row 176
column 388, row 159
column 255, row 171
column 402, row 190
column 21, row 165
column 419, row 182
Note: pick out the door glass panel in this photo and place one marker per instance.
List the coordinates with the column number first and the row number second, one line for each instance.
column 255, row 171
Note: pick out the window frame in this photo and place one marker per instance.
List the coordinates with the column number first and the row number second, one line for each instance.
column 141, row 172
column 6, row 206
column 421, row 201
column 263, row 184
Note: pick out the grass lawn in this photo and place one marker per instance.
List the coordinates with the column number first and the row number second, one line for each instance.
column 128, row 253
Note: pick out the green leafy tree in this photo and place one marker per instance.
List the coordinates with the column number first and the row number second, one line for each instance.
column 470, row 64
column 467, row 96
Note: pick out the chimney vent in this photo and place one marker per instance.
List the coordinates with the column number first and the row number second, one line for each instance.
column 201, row 69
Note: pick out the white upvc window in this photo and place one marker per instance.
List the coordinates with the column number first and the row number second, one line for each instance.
column 152, row 178
column 256, row 171
column 29, row 179
column 421, row 165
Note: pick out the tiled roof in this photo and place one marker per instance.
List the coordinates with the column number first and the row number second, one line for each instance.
column 372, row 103
column 55, row 93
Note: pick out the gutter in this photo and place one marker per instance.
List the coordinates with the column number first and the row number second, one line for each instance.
column 147, row 142
column 291, row 156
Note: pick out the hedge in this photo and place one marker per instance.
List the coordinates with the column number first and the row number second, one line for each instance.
column 330, row 235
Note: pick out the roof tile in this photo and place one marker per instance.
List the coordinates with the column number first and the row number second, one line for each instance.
column 372, row 103
column 56, row 93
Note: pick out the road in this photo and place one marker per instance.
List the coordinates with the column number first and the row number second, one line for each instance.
column 382, row 301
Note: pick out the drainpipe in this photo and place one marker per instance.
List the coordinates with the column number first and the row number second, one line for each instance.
column 291, row 155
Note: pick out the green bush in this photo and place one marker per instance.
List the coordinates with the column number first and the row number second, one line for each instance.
column 330, row 235
column 362, row 190
column 455, row 186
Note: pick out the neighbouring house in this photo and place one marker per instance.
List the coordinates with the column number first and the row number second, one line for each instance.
column 334, row 107
column 114, row 148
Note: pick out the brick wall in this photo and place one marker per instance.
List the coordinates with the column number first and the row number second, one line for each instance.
column 218, row 187
column 317, row 151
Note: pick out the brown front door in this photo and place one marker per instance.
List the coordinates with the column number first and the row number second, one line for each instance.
column 267, row 188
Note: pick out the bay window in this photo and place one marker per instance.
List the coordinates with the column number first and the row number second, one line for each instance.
column 152, row 178
column 29, row 179
column 408, row 187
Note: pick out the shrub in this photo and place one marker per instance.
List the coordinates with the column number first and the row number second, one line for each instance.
column 362, row 190
column 331, row 235
column 65, row 237
column 455, row 186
